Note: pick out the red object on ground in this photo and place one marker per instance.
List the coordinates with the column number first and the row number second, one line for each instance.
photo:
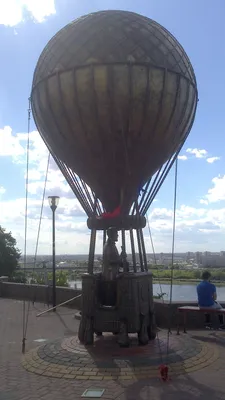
column 163, row 370
column 113, row 214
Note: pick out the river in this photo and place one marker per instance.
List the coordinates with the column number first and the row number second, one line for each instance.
column 179, row 292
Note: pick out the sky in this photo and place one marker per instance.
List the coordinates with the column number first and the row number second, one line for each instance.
column 25, row 28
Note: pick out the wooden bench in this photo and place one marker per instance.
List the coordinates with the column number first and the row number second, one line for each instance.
column 190, row 309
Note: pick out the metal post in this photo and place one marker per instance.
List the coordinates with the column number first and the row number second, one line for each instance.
column 124, row 251
column 140, row 250
column 104, row 237
column 91, row 251
column 133, row 250
column 143, row 250
column 53, row 261
column 139, row 238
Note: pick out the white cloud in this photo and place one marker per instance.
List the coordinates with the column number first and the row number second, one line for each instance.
column 70, row 224
column 211, row 160
column 2, row 191
column 10, row 144
column 203, row 201
column 200, row 153
column 182, row 157
column 197, row 152
column 162, row 218
column 217, row 192
column 72, row 236
column 72, row 232
column 11, row 11
column 193, row 225
column 15, row 146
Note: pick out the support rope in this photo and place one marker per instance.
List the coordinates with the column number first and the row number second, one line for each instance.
column 41, row 213
column 173, row 247
column 40, row 219
column 153, row 250
column 164, row 367
column 25, row 227
column 37, row 242
column 26, row 312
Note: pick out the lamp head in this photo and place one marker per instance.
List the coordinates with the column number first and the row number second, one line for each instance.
column 53, row 202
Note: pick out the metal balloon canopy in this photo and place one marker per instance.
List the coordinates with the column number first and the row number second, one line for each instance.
column 114, row 97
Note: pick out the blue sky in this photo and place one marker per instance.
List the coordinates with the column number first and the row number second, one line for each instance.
column 199, row 27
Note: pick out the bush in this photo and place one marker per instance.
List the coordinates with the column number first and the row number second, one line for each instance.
column 60, row 276
column 18, row 277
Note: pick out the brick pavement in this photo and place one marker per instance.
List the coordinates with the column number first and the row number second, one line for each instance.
column 18, row 384
column 67, row 358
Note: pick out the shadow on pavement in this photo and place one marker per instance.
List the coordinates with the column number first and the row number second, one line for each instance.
column 182, row 388
column 213, row 338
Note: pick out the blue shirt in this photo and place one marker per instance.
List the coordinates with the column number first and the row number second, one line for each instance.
column 205, row 291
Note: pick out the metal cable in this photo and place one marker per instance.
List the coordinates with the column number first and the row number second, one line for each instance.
column 40, row 219
column 25, row 227
column 173, row 246
column 26, row 315
column 153, row 250
column 41, row 213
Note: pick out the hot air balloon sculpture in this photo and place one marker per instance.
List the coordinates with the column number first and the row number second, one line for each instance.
column 114, row 97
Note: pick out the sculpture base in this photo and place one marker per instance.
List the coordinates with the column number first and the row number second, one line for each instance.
column 132, row 312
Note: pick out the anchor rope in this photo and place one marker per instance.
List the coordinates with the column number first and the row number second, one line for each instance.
column 41, row 212
column 40, row 219
column 160, row 286
column 25, row 222
column 27, row 309
column 172, row 266
column 37, row 243
column 154, row 255
column 172, row 260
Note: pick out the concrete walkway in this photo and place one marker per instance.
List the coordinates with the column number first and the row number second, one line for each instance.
column 202, row 376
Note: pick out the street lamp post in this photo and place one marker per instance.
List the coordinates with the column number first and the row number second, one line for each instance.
column 53, row 202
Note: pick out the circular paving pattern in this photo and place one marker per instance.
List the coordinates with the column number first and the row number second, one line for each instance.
column 69, row 359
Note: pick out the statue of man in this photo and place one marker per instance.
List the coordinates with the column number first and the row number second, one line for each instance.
column 112, row 262
column 111, row 258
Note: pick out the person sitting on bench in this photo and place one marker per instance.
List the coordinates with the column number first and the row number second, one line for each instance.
column 207, row 298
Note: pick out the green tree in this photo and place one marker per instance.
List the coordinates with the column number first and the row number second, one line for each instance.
column 9, row 253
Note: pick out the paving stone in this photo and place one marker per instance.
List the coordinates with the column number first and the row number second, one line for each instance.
column 106, row 358
column 198, row 358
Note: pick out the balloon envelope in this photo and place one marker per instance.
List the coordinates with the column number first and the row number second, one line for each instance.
column 114, row 96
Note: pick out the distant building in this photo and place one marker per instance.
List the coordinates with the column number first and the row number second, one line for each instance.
column 166, row 259
column 190, row 256
column 198, row 257
column 213, row 260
